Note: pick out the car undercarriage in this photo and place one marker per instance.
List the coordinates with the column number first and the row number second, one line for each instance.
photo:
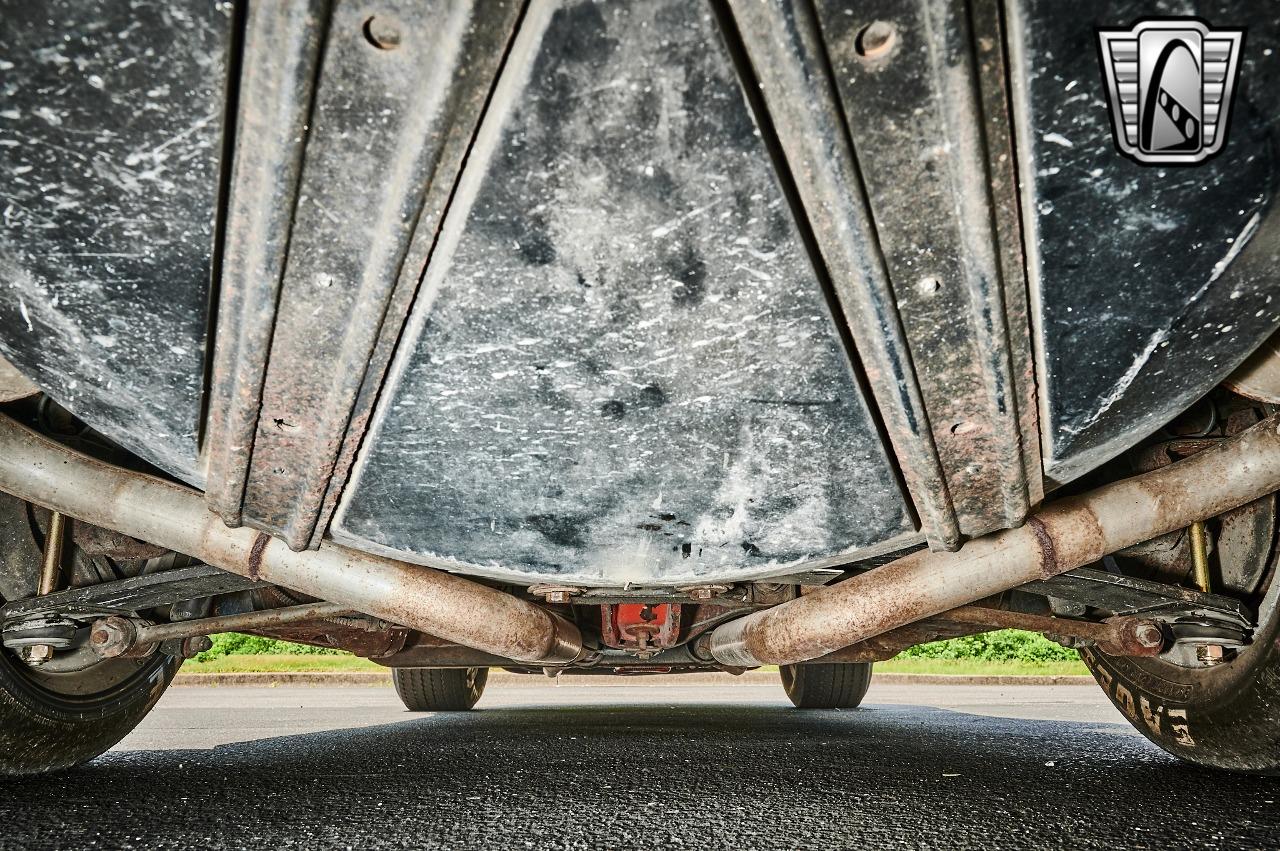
column 619, row 338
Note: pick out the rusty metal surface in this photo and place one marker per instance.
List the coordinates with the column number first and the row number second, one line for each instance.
column 1064, row 535
column 1257, row 378
column 280, row 54
column 916, row 120
column 466, row 105
column 428, row 651
column 1123, row 636
column 45, row 473
column 885, row 646
column 265, row 619
column 785, row 47
column 111, row 127
column 96, row 541
column 366, row 643
column 642, row 628
column 1121, row 594
column 987, row 22
column 385, row 127
column 622, row 366
column 133, row 594
column 1126, row 636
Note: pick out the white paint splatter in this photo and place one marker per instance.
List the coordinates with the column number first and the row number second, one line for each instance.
column 1237, row 245
column 48, row 115
column 1160, row 338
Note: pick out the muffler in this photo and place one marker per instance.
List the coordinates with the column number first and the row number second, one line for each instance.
column 1065, row 535
column 40, row 471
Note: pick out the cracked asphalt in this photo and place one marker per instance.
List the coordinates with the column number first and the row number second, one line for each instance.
column 703, row 765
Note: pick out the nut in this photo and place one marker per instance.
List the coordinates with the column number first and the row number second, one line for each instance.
column 1149, row 635
column 1211, row 654
column 195, row 645
column 112, row 637
column 37, row 654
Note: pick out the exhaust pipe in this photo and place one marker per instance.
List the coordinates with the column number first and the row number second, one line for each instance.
column 43, row 472
column 1065, row 535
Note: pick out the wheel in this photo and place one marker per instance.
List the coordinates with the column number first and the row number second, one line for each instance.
column 826, row 686
column 1226, row 716
column 439, row 689
column 51, row 720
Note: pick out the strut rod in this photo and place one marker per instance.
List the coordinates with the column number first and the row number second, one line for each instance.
column 1065, row 535
column 43, row 472
column 117, row 636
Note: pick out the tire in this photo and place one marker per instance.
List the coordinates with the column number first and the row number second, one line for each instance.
column 1225, row 717
column 439, row 689
column 826, row 686
column 50, row 722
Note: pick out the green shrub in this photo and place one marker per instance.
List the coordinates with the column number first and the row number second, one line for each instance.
column 1011, row 645
column 236, row 644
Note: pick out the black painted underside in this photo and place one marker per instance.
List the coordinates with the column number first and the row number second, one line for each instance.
column 625, row 370
column 621, row 365
column 111, row 129
column 1153, row 282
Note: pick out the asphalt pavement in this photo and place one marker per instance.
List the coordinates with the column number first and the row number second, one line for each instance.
column 582, row 764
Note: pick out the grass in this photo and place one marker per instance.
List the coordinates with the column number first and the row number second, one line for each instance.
column 980, row 667
column 275, row 663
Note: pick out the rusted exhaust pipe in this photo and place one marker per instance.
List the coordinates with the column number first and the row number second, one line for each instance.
column 1061, row 537
column 159, row 512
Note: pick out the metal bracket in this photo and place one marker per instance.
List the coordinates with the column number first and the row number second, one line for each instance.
column 131, row 595
column 1128, row 595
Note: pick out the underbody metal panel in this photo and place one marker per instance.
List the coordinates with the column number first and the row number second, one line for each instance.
column 783, row 43
column 398, row 93
column 916, row 120
column 622, row 366
column 279, row 56
column 1149, row 284
column 111, row 131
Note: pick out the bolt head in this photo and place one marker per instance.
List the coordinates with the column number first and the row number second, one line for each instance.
column 1149, row 635
column 195, row 645
column 37, row 654
column 1211, row 654
column 111, row 637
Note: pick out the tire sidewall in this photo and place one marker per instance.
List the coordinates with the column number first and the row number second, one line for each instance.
column 1224, row 717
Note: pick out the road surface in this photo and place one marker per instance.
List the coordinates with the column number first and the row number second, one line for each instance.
column 584, row 765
